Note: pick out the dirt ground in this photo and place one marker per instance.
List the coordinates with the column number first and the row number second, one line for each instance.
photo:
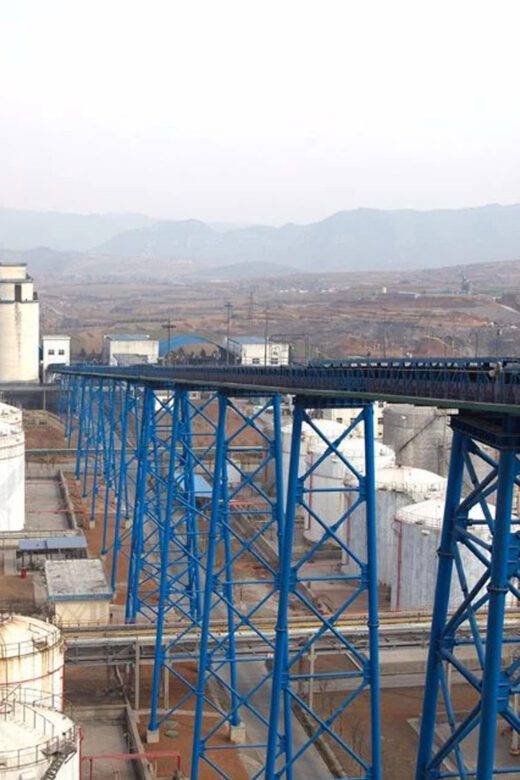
column 17, row 594
column 398, row 707
column 44, row 430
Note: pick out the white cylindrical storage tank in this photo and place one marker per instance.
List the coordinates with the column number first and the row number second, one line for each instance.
column 36, row 741
column 31, row 655
column 332, row 479
column 336, row 479
column 417, row 530
column 12, row 469
column 396, row 487
column 19, row 325
column 419, row 435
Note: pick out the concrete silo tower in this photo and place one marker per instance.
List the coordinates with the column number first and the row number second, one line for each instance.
column 19, row 325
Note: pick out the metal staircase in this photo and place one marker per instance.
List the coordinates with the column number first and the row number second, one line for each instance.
column 61, row 756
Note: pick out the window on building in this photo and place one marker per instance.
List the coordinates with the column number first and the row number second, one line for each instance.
column 50, row 352
column 61, row 352
column 256, row 361
column 18, row 292
column 274, row 361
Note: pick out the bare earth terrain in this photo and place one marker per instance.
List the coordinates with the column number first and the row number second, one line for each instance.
column 323, row 315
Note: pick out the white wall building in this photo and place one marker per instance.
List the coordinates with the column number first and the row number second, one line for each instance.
column 79, row 592
column 253, row 351
column 12, row 469
column 121, row 349
column 55, row 351
column 19, row 325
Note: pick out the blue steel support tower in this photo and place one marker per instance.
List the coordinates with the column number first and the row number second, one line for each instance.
column 183, row 538
column 355, row 578
column 475, row 619
column 233, row 689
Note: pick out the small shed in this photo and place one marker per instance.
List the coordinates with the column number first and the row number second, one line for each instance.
column 33, row 552
column 79, row 591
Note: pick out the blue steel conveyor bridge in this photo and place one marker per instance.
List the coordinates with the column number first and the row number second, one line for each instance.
column 188, row 463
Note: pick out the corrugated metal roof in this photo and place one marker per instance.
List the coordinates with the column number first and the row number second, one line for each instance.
column 248, row 339
column 201, row 485
column 184, row 340
column 53, row 543
column 128, row 337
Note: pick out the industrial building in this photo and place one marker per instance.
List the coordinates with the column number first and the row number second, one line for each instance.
column 258, row 351
column 125, row 349
column 79, row 592
column 55, row 351
column 19, row 325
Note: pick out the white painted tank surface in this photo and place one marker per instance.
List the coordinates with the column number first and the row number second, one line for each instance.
column 331, row 476
column 31, row 655
column 36, row 740
column 12, row 469
column 396, row 487
column 419, row 435
column 339, row 483
column 417, row 530
column 19, row 325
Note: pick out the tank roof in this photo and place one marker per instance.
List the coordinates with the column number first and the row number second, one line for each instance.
column 31, row 732
column 408, row 479
column 431, row 512
column 22, row 635
column 350, row 446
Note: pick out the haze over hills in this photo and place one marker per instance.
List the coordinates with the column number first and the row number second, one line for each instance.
column 365, row 237
column 23, row 230
column 368, row 239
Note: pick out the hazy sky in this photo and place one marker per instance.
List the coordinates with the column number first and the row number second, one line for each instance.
column 258, row 111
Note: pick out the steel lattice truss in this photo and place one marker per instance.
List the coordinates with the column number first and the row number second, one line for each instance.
column 478, row 575
column 353, row 578
column 146, row 444
column 191, row 556
column 104, row 418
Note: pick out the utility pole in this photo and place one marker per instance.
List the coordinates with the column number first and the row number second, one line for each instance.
column 169, row 326
column 229, row 306
column 497, row 337
column 266, row 333
column 251, row 307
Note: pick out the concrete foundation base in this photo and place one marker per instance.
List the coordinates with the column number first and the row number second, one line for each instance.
column 152, row 736
column 237, row 734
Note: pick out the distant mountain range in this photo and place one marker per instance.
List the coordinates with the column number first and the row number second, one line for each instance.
column 368, row 239
column 66, row 232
